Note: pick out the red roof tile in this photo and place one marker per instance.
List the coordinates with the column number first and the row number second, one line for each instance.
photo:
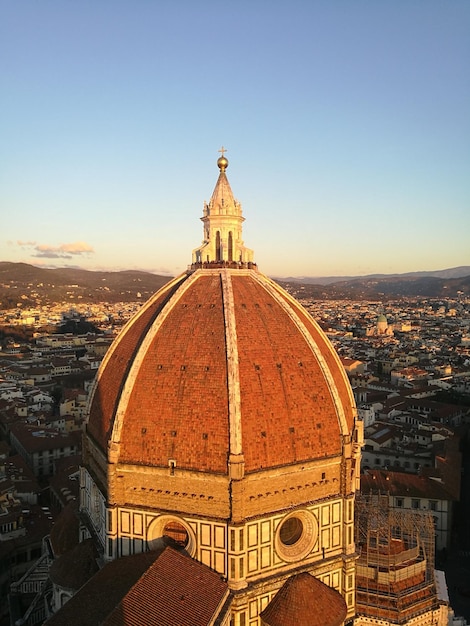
column 304, row 600
column 174, row 591
column 401, row 484
column 154, row 588
column 292, row 385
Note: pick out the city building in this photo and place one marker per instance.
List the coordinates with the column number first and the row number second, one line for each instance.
column 417, row 494
column 381, row 328
column 41, row 447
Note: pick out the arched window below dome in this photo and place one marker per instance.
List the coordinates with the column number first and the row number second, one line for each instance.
column 173, row 527
column 230, row 246
column 176, row 531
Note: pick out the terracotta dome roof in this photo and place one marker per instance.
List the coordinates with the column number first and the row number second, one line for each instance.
column 304, row 600
column 221, row 361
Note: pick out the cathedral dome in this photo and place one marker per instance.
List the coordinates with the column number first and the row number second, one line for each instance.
column 221, row 373
column 221, row 419
column 221, row 361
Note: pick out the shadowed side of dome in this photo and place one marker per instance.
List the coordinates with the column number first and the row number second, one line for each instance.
column 176, row 398
column 65, row 532
column 114, row 368
column 338, row 381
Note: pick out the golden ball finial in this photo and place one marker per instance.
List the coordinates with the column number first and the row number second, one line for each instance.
column 222, row 162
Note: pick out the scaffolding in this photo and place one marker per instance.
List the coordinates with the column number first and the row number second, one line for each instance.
column 395, row 569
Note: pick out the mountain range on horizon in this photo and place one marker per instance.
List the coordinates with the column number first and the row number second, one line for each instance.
column 453, row 272
column 22, row 284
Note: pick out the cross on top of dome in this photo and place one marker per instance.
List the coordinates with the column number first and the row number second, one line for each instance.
column 222, row 161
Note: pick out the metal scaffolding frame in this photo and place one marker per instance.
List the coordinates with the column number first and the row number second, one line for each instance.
column 395, row 568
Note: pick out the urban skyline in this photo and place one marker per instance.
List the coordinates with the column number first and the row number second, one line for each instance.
column 346, row 128
column 399, row 370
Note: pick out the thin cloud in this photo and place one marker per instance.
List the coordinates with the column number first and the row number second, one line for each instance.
column 50, row 254
column 79, row 247
column 64, row 251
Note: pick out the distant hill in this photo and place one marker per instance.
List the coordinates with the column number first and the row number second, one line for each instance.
column 31, row 286
column 384, row 288
column 454, row 272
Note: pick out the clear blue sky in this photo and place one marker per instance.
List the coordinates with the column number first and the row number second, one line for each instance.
column 347, row 125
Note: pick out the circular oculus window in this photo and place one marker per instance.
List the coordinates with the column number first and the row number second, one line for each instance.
column 296, row 535
column 176, row 529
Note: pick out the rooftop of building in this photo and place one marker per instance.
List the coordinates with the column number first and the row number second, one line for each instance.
column 152, row 588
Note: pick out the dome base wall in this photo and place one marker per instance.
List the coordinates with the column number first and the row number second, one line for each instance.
column 218, row 497
column 274, row 490
column 170, row 489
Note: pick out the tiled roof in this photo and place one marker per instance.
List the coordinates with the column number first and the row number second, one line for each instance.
column 36, row 438
column 402, row 485
column 115, row 366
column 153, row 588
column 76, row 567
column 21, row 474
column 101, row 594
column 294, row 396
column 65, row 532
column 304, row 600
column 174, row 591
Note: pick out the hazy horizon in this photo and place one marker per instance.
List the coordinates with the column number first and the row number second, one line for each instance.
column 280, row 277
